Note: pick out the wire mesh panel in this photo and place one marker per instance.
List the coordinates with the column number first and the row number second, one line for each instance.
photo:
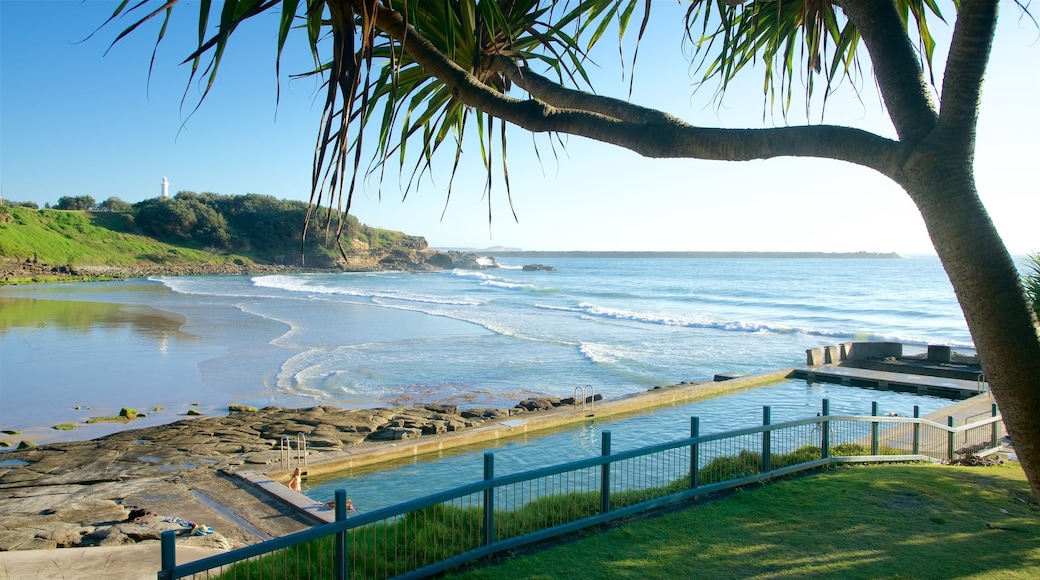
column 934, row 441
column 972, row 440
column 545, row 502
column 793, row 445
column 849, row 438
column 401, row 544
column 645, row 477
column 313, row 559
column 730, row 458
column 896, row 438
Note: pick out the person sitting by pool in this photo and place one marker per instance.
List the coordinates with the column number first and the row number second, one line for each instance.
column 332, row 505
column 296, row 481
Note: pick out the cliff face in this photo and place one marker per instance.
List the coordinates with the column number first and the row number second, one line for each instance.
column 395, row 258
column 407, row 253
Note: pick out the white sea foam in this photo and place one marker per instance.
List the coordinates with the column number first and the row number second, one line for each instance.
column 478, row 274
column 285, row 338
column 599, row 352
column 298, row 284
column 497, row 326
column 294, row 284
column 506, row 285
column 593, row 312
column 492, row 281
column 194, row 286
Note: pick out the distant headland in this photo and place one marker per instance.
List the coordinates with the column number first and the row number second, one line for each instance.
column 510, row 253
column 197, row 234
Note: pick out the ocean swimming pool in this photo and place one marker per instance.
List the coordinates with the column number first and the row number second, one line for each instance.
column 390, row 483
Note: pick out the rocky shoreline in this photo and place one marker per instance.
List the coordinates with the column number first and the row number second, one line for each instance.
column 130, row 486
column 405, row 259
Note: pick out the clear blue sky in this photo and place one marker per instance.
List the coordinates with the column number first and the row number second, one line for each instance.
column 76, row 122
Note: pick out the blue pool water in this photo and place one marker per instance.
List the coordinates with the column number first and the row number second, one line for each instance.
column 386, row 484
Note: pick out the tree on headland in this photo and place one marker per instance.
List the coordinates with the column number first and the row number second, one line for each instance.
column 114, row 204
column 422, row 72
column 261, row 226
column 78, row 202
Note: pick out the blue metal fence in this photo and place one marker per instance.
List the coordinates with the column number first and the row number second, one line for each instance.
column 445, row 530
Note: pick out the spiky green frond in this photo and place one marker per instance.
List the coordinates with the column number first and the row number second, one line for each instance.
column 373, row 90
column 790, row 40
column 469, row 33
column 381, row 102
column 1031, row 281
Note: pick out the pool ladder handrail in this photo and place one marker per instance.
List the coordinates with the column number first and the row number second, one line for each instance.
column 817, row 430
column 285, row 451
column 588, row 397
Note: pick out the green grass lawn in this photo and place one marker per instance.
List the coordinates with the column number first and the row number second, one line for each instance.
column 878, row 521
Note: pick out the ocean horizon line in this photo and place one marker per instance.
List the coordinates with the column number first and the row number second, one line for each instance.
column 514, row 253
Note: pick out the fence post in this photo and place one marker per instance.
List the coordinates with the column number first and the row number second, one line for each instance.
column 917, row 430
column 604, row 491
column 825, row 426
column 950, row 443
column 695, row 431
column 489, row 500
column 766, row 436
column 168, row 553
column 994, row 430
column 873, row 429
column 341, row 555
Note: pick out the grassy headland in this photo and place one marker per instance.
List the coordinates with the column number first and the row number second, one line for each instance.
column 190, row 232
column 85, row 238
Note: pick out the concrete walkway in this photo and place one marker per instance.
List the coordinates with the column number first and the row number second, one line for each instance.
column 970, row 410
column 140, row 561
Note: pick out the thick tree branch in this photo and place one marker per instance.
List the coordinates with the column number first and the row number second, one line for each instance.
column 553, row 93
column 896, row 67
column 965, row 68
column 651, row 134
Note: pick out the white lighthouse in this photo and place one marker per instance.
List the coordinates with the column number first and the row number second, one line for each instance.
column 165, row 187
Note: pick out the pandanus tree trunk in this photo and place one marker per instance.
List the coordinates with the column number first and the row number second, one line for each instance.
column 938, row 176
column 989, row 292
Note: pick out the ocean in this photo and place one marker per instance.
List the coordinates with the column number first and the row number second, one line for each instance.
column 487, row 338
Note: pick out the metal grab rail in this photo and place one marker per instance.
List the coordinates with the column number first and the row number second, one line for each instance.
column 285, row 451
column 588, row 396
